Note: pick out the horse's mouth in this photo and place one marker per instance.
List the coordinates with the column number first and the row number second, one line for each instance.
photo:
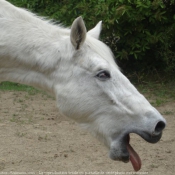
column 124, row 151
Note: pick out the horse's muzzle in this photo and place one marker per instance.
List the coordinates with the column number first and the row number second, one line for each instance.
column 121, row 150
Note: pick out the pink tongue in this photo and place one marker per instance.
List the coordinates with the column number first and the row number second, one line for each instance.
column 134, row 158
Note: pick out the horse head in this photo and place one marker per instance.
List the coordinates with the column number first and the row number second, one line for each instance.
column 97, row 95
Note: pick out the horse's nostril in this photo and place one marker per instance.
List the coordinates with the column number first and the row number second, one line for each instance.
column 159, row 127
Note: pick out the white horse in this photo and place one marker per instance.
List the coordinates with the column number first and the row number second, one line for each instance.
column 80, row 71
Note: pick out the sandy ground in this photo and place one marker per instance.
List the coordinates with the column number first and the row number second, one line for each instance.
column 36, row 139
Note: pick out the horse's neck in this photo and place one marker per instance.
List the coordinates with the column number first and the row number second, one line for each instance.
column 29, row 51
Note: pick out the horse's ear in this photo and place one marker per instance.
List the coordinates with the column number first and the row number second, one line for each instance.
column 78, row 33
column 95, row 32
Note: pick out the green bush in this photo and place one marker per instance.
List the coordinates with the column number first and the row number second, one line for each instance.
column 146, row 28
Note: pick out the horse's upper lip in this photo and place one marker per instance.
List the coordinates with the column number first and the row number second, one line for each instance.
column 121, row 152
column 151, row 138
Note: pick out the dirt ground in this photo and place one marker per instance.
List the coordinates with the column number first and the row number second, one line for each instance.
column 36, row 139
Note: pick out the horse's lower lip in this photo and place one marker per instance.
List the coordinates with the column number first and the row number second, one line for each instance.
column 119, row 152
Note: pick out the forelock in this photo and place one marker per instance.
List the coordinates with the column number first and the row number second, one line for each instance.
column 101, row 49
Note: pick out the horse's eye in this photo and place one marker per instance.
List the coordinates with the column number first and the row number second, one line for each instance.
column 103, row 75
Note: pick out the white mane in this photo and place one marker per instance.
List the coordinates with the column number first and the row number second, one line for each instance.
column 101, row 49
column 8, row 11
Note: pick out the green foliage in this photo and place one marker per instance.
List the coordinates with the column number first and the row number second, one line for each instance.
column 147, row 32
column 146, row 28
column 18, row 87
